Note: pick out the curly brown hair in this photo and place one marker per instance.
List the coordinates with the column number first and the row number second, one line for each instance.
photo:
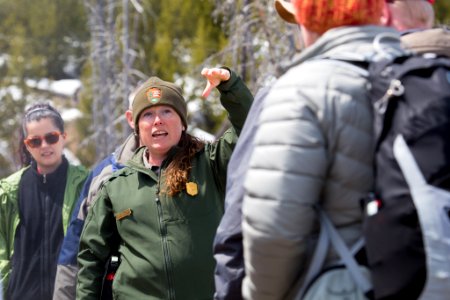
column 177, row 172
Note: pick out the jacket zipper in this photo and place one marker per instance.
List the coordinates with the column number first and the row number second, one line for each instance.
column 45, row 248
column 163, row 231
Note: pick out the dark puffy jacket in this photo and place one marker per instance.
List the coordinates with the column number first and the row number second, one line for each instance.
column 228, row 249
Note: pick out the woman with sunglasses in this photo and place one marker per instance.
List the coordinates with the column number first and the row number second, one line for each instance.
column 162, row 210
column 35, row 206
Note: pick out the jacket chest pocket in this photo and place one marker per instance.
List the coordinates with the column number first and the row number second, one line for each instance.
column 199, row 205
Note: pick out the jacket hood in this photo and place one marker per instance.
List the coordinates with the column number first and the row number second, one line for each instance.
column 350, row 43
column 125, row 151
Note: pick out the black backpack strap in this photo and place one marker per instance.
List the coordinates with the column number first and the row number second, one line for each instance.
column 386, row 78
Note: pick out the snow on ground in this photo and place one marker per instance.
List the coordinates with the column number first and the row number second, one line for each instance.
column 65, row 87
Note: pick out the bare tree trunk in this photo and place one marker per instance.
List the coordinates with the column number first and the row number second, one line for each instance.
column 96, row 11
column 247, row 41
column 126, row 64
column 110, row 74
column 111, row 91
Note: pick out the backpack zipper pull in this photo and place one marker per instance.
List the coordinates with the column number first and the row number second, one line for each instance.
column 396, row 88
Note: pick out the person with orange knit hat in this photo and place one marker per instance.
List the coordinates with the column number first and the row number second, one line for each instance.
column 398, row 269
column 313, row 146
column 403, row 15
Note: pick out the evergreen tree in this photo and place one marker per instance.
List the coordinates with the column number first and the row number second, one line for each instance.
column 113, row 45
column 38, row 39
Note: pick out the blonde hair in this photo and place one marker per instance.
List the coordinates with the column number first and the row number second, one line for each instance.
column 411, row 14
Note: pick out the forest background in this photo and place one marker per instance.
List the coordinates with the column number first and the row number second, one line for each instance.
column 111, row 46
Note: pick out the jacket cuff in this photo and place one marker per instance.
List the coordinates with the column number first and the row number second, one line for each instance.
column 227, row 84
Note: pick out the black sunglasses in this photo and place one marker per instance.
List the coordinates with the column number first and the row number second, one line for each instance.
column 50, row 138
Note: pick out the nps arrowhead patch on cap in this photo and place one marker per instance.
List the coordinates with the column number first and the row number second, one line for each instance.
column 154, row 95
column 158, row 92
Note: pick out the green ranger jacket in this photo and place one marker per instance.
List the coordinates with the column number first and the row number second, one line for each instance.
column 165, row 243
column 9, row 212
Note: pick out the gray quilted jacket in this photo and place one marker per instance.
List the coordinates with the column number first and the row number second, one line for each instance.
column 313, row 145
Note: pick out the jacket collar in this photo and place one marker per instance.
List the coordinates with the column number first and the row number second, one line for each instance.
column 351, row 43
column 125, row 151
column 137, row 160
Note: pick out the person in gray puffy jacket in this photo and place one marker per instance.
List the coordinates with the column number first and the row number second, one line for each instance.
column 313, row 144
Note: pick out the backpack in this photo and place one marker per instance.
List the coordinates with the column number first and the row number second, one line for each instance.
column 345, row 279
column 411, row 100
column 404, row 231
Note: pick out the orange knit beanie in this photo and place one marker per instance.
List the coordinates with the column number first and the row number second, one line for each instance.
column 322, row 15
